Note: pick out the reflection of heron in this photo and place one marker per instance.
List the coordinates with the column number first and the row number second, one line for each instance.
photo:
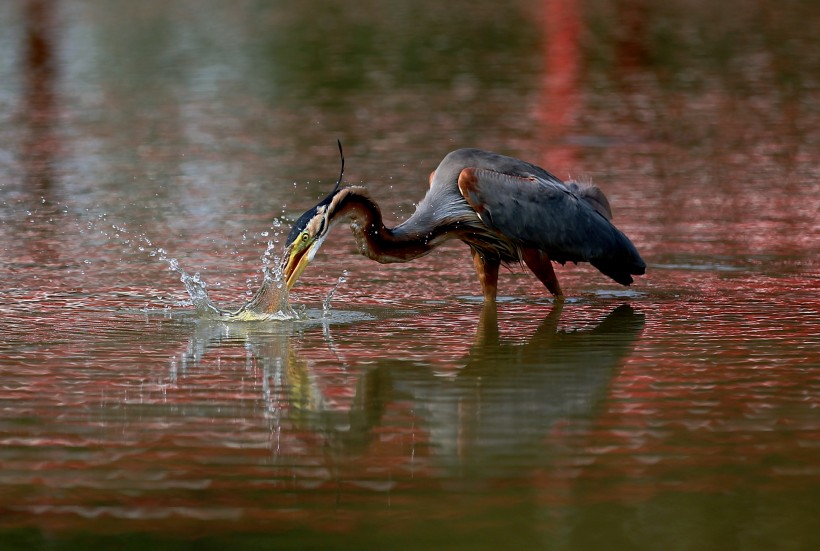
column 292, row 388
column 505, row 209
column 509, row 395
column 503, row 401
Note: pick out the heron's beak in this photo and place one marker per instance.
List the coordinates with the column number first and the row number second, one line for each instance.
column 298, row 259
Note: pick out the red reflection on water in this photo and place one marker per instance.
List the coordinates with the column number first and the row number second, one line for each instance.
column 710, row 418
column 40, row 143
column 40, row 108
column 560, row 96
column 110, row 420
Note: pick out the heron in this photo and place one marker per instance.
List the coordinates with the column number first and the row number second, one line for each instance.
column 505, row 209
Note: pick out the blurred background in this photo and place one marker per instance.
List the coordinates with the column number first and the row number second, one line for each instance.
column 135, row 132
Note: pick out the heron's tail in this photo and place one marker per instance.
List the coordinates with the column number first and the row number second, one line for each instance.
column 620, row 262
column 620, row 259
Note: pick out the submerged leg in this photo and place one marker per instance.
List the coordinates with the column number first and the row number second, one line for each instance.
column 540, row 264
column 487, row 271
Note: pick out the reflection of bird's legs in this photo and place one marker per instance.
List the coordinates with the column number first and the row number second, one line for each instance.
column 549, row 325
column 487, row 274
column 540, row 264
column 546, row 334
column 487, row 331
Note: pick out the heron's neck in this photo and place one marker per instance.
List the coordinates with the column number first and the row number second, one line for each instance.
column 376, row 241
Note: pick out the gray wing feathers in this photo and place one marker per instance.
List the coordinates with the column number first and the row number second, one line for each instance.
column 593, row 195
column 569, row 222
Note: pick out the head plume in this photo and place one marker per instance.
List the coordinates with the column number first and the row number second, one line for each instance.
column 302, row 222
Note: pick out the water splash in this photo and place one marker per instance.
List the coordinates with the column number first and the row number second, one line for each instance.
column 196, row 287
column 329, row 297
column 270, row 302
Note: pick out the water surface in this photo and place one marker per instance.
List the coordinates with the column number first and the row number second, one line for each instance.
column 680, row 413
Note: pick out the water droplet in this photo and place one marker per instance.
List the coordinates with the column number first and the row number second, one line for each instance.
column 329, row 297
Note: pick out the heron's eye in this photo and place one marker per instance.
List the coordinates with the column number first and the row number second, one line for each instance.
column 305, row 237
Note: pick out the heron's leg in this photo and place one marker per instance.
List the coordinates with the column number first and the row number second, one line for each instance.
column 540, row 264
column 487, row 271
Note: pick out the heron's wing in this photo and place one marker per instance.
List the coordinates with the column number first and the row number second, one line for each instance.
column 594, row 196
column 552, row 217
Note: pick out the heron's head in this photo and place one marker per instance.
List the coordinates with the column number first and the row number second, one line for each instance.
column 306, row 237
column 309, row 232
